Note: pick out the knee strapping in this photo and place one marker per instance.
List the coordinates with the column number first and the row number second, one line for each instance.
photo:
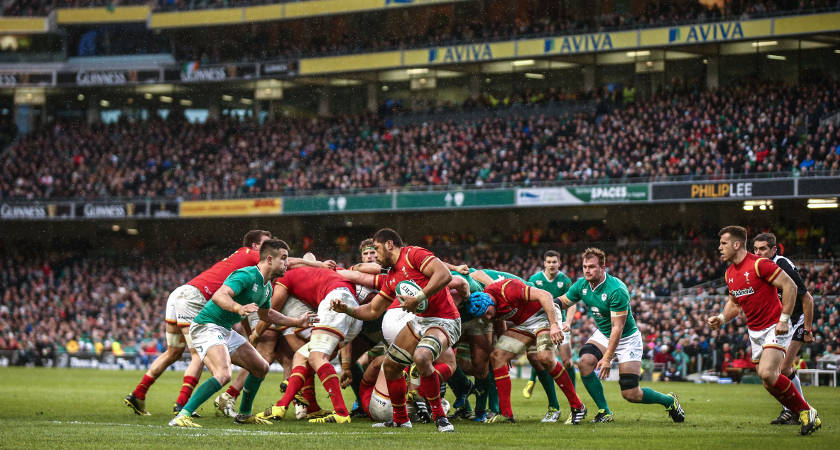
column 175, row 340
column 431, row 344
column 628, row 381
column 544, row 342
column 323, row 342
column 399, row 355
column 510, row 344
column 591, row 349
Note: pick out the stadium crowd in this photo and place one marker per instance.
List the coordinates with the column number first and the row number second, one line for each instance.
column 73, row 302
column 749, row 129
column 279, row 41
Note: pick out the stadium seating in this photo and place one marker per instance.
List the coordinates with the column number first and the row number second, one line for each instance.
column 752, row 129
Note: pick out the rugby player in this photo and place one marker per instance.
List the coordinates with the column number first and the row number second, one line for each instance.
column 426, row 336
column 753, row 284
column 245, row 291
column 318, row 288
column 609, row 303
column 554, row 281
column 183, row 304
column 764, row 246
column 534, row 317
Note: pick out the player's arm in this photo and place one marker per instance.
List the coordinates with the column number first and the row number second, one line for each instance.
column 278, row 300
column 566, row 304
column 482, row 277
column 570, row 315
column 300, row 262
column 461, row 289
column 271, row 316
column 547, row 303
column 371, row 268
column 730, row 310
column 356, row 277
column 223, row 298
column 782, row 281
column 346, row 354
column 808, row 313
column 463, row 269
column 617, row 321
column 369, row 311
column 439, row 276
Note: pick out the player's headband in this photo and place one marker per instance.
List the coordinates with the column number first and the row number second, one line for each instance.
column 369, row 247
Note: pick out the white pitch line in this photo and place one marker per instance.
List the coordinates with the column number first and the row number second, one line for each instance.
column 229, row 431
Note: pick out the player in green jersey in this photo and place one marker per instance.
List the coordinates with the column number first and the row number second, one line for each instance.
column 616, row 335
column 245, row 291
column 555, row 282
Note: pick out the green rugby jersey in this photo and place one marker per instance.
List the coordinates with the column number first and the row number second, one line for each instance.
column 497, row 275
column 248, row 287
column 609, row 296
column 556, row 287
column 475, row 286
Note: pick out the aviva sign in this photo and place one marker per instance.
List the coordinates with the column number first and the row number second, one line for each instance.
column 711, row 32
column 583, row 43
column 461, row 53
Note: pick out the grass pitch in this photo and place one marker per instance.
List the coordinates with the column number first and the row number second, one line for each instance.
column 61, row 408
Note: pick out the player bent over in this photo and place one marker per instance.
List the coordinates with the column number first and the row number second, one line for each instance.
column 319, row 288
column 556, row 283
column 245, row 291
column 534, row 319
column 426, row 336
column 609, row 302
column 753, row 284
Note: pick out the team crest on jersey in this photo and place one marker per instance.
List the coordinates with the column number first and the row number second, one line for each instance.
column 405, row 272
column 539, row 282
column 747, row 277
column 584, row 291
column 604, row 297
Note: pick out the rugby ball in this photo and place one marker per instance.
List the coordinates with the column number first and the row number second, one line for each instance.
column 412, row 289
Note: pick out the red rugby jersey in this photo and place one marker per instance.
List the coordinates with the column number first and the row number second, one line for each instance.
column 749, row 282
column 410, row 266
column 312, row 284
column 513, row 300
column 209, row 281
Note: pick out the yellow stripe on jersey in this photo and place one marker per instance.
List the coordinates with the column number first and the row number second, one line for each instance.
column 618, row 313
column 382, row 293
column 426, row 261
column 528, row 293
column 775, row 274
column 756, row 267
column 504, row 285
column 407, row 260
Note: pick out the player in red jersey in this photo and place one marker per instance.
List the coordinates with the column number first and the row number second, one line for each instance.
column 183, row 304
column 432, row 331
column 534, row 316
column 318, row 288
column 753, row 284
